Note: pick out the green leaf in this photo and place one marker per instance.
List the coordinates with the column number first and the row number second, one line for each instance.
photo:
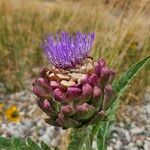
column 18, row 144
column 102, row 136
column 44, row 146
column 123, row 83
column 5, row 143
column 21, row 144
column 32, row 144
column 126, row 78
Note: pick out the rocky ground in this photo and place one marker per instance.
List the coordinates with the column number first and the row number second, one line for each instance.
column 134, row 132
column 131, row 134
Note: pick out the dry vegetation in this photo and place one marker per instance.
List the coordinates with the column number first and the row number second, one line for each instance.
column 122, row 34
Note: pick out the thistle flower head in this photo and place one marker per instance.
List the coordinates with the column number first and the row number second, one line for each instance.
column 79, row 95
column 65, row 51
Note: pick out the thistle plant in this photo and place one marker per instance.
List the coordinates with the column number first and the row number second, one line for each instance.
column 77, row 92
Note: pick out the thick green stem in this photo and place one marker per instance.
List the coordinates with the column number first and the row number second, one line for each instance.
column 78, row 137
column 103, row 135
column 95, row 130
column 88, row 142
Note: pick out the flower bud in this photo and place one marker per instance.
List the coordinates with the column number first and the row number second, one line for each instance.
column 42, row 83
column 41, row 94
column 97, row 70
column 108, row 93
column 83, row 108
column 96, row 101
column 36, row 91
column 93, row 79
column 105, row 74
column 46, row 104
column 40, row 80
column 60, row 119
column 87, row 90
column 73, row 92
column 54, row 85
column 67, row 110
column 99, row 65
column 59, row 95
column 84, row 111
column 96, row 92
column 101, row 62
column 84, row 81
column 47, row 108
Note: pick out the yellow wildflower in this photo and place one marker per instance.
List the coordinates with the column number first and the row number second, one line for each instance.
column 12, row 114
column 1, row 106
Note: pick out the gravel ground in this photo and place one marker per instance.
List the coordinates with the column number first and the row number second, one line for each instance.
column 134, row 132
column 131, row 134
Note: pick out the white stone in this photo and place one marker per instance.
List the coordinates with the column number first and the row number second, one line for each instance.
column 127, row 135
column 139, row 142
column 118, row 144
column 3, row 126
column 115, row 135
column 109, row 148
column 136, row 130
column 147, row 145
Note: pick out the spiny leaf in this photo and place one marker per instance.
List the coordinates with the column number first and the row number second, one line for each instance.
column 124, row 81
column 129, row 75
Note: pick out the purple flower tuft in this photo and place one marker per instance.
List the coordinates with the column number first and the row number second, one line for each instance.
column 66, row 51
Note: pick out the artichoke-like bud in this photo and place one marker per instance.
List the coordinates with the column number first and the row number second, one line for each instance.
column 97, row 96
column 67, row 110
column 73, row 92
column 108, row 93
column 76, row 91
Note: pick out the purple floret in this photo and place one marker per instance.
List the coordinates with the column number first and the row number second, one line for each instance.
column 66, row 51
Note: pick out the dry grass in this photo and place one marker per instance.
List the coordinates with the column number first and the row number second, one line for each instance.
column 122, row 34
